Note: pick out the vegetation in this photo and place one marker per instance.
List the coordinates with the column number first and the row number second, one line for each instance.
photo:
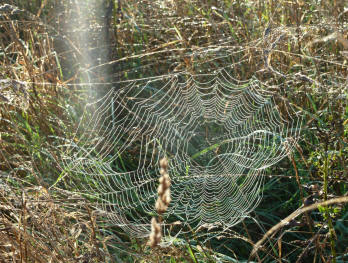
column 299, row 46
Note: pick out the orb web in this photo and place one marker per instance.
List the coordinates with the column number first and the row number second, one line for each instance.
column 219, row 134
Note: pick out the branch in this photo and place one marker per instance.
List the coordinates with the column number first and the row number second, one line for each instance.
column 295, row 214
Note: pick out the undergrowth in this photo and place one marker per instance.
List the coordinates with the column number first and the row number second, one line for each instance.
column 301, row 43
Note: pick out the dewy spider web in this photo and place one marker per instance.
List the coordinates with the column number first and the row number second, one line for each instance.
column 218, row 133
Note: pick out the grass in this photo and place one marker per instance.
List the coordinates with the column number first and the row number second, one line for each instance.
column 299, row 46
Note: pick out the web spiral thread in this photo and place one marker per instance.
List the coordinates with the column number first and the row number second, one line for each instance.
column 219, row 134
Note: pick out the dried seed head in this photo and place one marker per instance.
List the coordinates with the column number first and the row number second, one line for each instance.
column 155, row 235
column 166, row 180
column 162, row 203
column 161, row 207
column 167, row 197
column 164, row 163
column 160, row 189
column 161, row 180
column 154, row 225
column 162, row 171
column 163, row 188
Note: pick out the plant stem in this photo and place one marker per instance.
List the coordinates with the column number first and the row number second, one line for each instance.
column 327, row 213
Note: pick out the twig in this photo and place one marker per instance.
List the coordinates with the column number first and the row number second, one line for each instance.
column 292, row 216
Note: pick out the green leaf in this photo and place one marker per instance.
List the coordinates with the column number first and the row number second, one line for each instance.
column 192, row 254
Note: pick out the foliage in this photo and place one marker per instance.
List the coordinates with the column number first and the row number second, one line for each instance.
column 299, row 46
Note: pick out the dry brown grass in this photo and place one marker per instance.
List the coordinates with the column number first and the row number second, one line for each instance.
column 309, row 47
column 36, row 226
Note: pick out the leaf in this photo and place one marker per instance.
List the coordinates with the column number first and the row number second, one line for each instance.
column 191, row 254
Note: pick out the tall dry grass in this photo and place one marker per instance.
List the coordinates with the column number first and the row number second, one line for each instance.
column 299, row 45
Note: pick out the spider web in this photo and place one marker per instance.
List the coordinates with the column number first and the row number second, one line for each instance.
column 219, row 134
column 219, row 127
